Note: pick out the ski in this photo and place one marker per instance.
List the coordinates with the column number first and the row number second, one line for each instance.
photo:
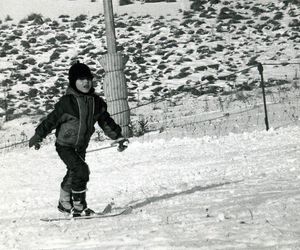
column 94, row 216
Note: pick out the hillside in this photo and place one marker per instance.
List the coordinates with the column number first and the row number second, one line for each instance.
column 205, row 175
column 188, row 52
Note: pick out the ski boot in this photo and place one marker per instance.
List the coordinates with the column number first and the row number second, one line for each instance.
column 80, row 206
column 65, row 202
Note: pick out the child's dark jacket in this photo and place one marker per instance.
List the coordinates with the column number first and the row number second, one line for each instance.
column 74, row 117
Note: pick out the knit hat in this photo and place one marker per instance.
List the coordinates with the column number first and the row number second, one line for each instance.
column 79, row 70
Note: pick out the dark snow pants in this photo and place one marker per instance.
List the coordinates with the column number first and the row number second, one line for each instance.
column 78, row 171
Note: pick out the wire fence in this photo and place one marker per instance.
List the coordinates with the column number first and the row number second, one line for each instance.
column 213, row 115
column 238, row 111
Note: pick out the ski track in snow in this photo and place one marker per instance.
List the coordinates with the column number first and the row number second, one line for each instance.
column 239, row 191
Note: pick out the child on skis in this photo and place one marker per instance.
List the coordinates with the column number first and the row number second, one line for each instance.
column 73, row 117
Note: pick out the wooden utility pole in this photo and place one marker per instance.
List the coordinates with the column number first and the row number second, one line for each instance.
column 110, row 27
column 114, row 85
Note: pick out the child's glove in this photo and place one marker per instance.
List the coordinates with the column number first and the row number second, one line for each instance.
column 123, row 143
column 35, row 141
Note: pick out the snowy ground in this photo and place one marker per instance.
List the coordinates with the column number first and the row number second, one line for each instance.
column 239, row 191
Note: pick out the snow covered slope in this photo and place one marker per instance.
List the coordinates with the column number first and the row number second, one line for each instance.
column 233, row 192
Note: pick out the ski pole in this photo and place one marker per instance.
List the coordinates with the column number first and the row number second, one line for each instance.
column 99, row 149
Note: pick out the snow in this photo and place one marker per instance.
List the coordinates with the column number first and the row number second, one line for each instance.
column 238, row 191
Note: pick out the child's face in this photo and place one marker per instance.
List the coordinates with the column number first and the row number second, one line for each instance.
column 83, row 84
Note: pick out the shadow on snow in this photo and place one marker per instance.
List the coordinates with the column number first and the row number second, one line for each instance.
column 153, row 199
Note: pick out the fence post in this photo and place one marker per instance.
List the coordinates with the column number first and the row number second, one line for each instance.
column 260, row 70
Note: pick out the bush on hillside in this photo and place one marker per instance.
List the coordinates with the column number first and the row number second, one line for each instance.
column 22, row 22
column 180, row 75
column 278, row 16
column 21, row 67
column 21, row 57
column 35, row 18
column 25, row 44
column 120, row 24
column 54, row 24
column 8, row 18
column 80, row 18
column 274, row 25
column 60, row 83
column 93, row 29
column 264, row 18
column 130, row 29
column 78, row 24
column 52, row 91
column 257, row 11
column 61, row 37
column 54, row 56
column 6, row 82
column 227, row 13
column 51, row 40
column 9, row 114
column 30, row 61
column 12, row 38
column 294, row 23
column 131, row 49
column 48, row 106
column 19, row 77
column 14, row 51
column 32, row 93
column 4, row 27
column 6, row 47
column 18, row 32
column 157, row 25
column 178, row 33
column 198, row 5
column 124, row 2
column 295, row 2
column 64, row 16
column 32, row 40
